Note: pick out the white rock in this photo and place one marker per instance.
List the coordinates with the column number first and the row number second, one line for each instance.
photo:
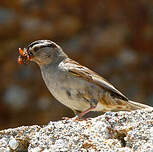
column 13, row 143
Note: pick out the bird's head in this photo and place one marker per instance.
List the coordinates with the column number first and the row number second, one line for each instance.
column 42, row 52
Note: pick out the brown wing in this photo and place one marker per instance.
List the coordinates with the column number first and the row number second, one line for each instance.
column 80, row 71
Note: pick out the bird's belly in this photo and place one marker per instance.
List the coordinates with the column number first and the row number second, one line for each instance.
column 70, row 98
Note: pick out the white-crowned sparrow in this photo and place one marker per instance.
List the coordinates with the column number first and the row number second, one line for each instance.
column 74, row 85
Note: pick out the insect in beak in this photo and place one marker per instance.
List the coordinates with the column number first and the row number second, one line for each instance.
column 24, row 56
column 20, row 60
column 21, row 52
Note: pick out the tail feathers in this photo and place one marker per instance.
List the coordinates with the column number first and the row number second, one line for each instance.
column 135, row 105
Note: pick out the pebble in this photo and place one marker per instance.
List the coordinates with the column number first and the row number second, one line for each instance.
column 13, row 143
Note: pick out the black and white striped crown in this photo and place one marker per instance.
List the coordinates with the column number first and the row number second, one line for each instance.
column 36, row 45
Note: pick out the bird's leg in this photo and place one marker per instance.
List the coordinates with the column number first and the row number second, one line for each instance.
column 93, row 104
column 86, row 111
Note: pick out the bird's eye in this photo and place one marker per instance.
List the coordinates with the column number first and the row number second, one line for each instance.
column 36, row 49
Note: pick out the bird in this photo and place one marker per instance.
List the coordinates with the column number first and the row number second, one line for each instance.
column 72, row 84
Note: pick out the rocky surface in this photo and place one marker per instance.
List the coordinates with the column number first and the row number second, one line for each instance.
column 113, row 132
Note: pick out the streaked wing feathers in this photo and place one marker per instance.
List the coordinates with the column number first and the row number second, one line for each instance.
column 80, row 71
